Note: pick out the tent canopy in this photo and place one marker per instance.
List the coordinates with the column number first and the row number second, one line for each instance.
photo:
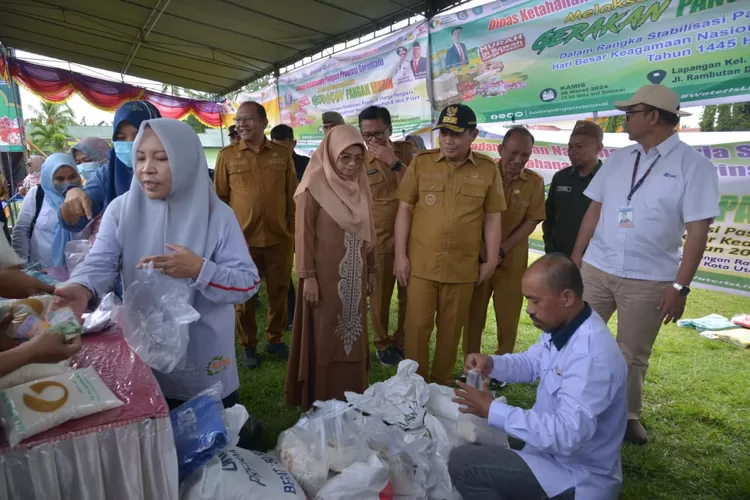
column 214, row 46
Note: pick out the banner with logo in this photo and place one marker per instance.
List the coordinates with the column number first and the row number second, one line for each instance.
column 392, row 72
column 11, row 135
column 534, row 59
column 267, row 96
column 726, row 262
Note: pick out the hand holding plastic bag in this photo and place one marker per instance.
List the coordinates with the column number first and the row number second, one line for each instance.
column 154, row 317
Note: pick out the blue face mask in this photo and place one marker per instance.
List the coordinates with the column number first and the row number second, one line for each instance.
column 61, row 187
column 124, row 152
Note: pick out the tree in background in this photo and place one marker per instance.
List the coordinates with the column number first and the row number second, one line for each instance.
column 49, row 128
column 613, row 124
column 726, row 118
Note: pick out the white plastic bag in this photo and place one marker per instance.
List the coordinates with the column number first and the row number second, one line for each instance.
column 154, row 317
column 478, row 430
column 440, row 402
column 444, row 439
column 237, row 474
column 31, row 372
column 75, row 253
column 359, row 481
column 102, row 317
column 326, row 439
column 400, row 400
column 34, row 407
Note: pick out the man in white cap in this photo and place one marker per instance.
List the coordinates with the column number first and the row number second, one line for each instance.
column 628, row 247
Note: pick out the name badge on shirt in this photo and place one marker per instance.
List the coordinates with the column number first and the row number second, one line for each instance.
column 626, row 216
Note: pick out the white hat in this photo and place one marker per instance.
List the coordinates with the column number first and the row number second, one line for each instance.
column 657, row 96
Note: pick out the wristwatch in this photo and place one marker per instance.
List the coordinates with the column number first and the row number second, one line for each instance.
column 683, row 290
column 397, row 166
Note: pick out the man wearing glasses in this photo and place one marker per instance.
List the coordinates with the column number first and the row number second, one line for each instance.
column 256, row 177
column 628, row 247
column 386, row 163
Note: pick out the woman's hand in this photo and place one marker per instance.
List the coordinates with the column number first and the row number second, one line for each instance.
column 74, row 296
column 179, row 265
column 15, row 284
column 311, row 291
column 50, row 347
column 372, row 281
column 77, row 204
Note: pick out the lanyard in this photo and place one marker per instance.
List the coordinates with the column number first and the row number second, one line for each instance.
column 633, row 185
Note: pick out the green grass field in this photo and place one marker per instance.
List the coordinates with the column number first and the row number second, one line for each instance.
column 696, row 406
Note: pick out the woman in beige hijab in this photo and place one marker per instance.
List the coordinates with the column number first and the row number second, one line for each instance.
column 334, row 244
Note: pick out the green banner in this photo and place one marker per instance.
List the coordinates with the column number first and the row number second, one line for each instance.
column 392, row 72
column 726, row 262
column 525, row 60
column 10, row 125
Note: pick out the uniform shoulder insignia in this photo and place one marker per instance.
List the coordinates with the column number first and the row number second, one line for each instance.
column 482, row 156
column 537, row 174
column 225, row 148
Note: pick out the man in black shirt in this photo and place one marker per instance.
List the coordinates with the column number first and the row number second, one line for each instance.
column 566, row 203
column 284, row 135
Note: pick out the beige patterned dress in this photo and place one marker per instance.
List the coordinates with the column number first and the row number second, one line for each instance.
column 330, row 345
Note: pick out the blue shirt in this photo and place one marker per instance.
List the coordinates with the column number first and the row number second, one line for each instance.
column 574, row 431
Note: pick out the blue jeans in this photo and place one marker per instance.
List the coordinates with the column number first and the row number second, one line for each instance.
column 491, row 473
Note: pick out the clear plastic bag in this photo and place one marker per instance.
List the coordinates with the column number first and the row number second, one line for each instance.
column 154, row 317
column 75, row 253
column 102, row 318
column 362, row 480
column 200, row 430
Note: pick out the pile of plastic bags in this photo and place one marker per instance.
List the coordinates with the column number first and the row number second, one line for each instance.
column 393, row 441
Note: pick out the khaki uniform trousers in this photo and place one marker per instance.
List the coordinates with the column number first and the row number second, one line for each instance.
column 275, row 265
column 505, row 288
column 445, row 305
column 638, row 321
column 380, row 304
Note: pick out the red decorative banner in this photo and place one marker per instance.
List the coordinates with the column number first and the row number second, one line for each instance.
column 58, row 85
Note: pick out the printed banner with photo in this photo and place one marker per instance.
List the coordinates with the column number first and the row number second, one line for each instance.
column 533, row 59
column 726, row 262
column 392, row 72
column 10, row 126
column 268, row 96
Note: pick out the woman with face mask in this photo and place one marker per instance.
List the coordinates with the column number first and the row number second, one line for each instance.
column 113, row 179
column 171, row 217
column 38, row 236
column 334, row 243
column 90, row 154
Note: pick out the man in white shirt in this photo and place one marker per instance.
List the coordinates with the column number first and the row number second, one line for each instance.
column 573, row 433
column 628, row 247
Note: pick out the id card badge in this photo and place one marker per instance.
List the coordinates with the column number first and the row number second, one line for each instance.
column 626, row 216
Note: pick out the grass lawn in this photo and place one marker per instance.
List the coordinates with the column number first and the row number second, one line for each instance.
column 696, row 406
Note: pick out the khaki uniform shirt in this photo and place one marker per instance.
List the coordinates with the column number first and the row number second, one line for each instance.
column 525, row 198
column 384, row 183
column 449, row 206
column 260, row 189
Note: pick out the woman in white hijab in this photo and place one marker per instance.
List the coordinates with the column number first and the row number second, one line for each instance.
column 171, row 217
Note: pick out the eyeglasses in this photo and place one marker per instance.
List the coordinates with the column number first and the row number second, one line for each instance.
column 352, row 159
column 631, row 112
column 250, row 119
column 373, row 135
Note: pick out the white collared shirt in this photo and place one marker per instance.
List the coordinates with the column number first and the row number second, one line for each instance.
column 682, row 187
column 574, row 431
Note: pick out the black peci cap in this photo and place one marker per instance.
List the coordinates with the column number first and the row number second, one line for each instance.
column 232, row 130
column 457, row 118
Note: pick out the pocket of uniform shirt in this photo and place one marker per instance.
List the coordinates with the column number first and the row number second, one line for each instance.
column 238, row 177
column 431, row 193
column 472, row 196
column 552, row 382
column 375, row 178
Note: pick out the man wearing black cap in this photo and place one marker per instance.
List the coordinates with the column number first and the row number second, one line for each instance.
column 642, row 201
column 448, row 198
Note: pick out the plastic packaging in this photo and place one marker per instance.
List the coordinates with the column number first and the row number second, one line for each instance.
column 200, row 431
column 64, row 322
column 475, row 379
column 34, row 407
column 478, row 430
column 102, row 318
column 154, row 317
column 22, row 309
column 75, row 253
column 33, row 371
column 360, row 481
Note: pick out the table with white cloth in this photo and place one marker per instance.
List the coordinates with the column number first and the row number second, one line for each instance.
column 125, row 453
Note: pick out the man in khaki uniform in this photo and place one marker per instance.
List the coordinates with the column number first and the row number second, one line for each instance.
column 524, row 194
column 386, row 166
column 257, row 179
column 448, row 198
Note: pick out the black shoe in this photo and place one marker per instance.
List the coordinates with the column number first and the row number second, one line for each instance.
column 281, row 351
column 389, row 357
column 496, row 385
column 250, row 435
column 289, row 327
column 250, row 358
column 400, row 352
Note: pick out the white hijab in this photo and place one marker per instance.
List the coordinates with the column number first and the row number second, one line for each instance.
column 147, row 226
